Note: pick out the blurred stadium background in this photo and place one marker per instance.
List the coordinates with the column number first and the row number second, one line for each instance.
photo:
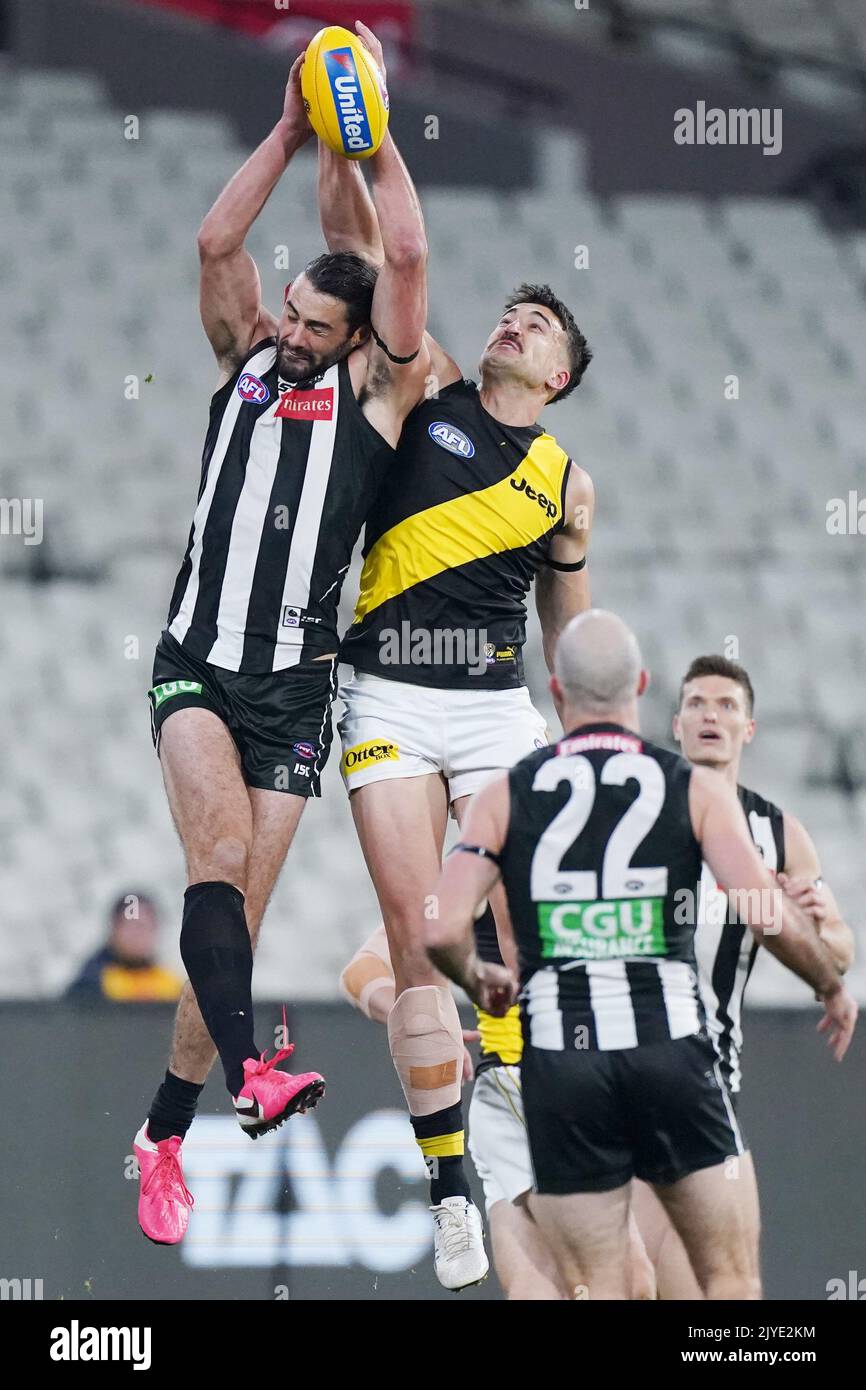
column 533, row 130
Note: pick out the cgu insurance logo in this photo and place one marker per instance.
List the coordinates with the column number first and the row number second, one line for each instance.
column 335, row 1218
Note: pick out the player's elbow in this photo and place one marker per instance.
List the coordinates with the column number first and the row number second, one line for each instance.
column 211, row 243
column 407, row 252
column 839, row 940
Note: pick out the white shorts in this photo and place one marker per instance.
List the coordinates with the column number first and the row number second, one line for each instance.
column 497, row 1136
column 391, row 729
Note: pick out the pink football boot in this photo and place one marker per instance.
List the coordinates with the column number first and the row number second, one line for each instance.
column 269, row 1097
column 164, row 1200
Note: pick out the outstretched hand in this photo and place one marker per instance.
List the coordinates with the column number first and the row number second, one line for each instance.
column 294, row 110
column 373, row 47
column 839, row 1020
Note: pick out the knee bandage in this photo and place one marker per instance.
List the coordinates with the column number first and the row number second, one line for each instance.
column 426, row 1043
column 368, row 980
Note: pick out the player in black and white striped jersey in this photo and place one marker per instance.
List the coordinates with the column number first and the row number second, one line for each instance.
column 303, row 426
column 596, row 840
column 713, row 725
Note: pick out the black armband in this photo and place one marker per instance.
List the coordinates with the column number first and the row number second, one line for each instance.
column 480, row 850
column 400, row 361
column 566, row 569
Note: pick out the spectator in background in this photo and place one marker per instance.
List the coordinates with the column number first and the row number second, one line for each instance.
column 126, row 968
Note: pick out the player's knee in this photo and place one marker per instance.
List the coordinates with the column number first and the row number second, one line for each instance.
column 227, row 860
column 367, row 982
column 426, row 1043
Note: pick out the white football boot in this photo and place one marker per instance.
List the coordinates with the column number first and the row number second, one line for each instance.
column 458, row 1244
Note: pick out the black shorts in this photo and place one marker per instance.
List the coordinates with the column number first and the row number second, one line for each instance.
column 595, row 1119
column 279, row 720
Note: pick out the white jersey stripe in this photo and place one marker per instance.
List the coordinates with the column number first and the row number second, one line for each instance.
column 180, row 627
column 735, row 1010
column 711, row 917
column 709, row 940
column 679, row 988
column 305, row 535
column 248, row 523
column 720, row 1081
column 542, row 1006
column 612, row 1008
column 183, row 619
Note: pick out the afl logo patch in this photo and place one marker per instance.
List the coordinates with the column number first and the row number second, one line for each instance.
column 250, row 388
column 447, row 437
column 304, row 750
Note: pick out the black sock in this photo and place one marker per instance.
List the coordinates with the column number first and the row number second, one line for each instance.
column 173, row 1108
column 440, row 1139
column 218, row 955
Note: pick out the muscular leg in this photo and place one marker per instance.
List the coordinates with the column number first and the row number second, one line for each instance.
column 522, row 1258
column 588, row 1233
column 275, row 818
column 716, row 1212
column 230, row 834
column 675, row 1277
column 401, row 827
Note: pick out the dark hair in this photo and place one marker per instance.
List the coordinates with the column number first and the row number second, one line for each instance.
column 121, row 902
column 579, row 351
column 347, row 277
column 720, row 666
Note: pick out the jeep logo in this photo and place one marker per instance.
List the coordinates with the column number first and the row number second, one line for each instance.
column 521, row 485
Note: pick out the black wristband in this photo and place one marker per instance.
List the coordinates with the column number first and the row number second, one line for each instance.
column 400, row 361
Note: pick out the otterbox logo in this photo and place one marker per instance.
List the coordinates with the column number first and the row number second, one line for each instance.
column 306, row 405
column 365, row 754
column 165, row 691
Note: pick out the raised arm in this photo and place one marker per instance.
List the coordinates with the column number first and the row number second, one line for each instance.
column 776, row 921
column 351, row 221
column 346, row 210
column 231, row 291
column 802, row 880
column 560, row 594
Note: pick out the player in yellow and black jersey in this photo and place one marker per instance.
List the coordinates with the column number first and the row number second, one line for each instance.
column 480, row 502
column 453, row 542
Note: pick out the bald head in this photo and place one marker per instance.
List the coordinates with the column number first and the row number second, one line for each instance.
column 598, row 663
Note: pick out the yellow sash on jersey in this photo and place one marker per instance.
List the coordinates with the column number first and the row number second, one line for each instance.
column 476, row 524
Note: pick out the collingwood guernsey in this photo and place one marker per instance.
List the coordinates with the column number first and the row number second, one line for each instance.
column 289, row 472
column 598, row 853
column 725, row 948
